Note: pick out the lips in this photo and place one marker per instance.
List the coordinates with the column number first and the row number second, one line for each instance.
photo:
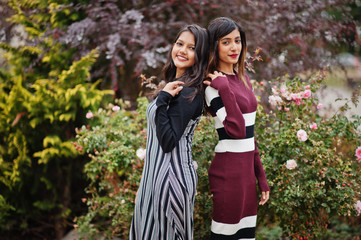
column 181, row 58
column 233, row 55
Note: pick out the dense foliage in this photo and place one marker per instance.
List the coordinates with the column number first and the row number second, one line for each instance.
column 50, row 73
column 309, row 161
column 133, row 36
column 43, row 97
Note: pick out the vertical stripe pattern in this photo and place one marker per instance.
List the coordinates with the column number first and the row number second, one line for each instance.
column 165, row 198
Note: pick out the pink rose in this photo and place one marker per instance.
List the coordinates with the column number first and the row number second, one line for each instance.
column 287, row 109
column 306, row 94
column 195, row 164
column 141, row 152
column 295, row 97
column 319, row 106
column 308, row 87
column 116, row 108
column 313, row 126
column 358, row 153
column 89, row 115
column 275, row 100
column 291, row 164
column 358, row 207
column 302, row 135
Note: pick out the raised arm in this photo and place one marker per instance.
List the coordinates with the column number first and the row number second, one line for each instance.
column 220, row 98
column 173, row 115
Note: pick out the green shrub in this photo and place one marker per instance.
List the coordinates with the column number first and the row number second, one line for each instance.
column 43, row 95
column 324, row 184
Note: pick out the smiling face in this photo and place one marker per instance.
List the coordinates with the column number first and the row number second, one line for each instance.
column 229, row 50
column 183, row 52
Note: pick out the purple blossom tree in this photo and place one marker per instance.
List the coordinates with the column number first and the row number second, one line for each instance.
column 133, row 37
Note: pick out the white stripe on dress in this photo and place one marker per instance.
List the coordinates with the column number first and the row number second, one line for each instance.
column 231, row 229
column 235, row 145
column 210, row 93
column 249, row 119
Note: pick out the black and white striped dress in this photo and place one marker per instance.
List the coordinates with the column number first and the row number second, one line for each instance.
column 165, row 198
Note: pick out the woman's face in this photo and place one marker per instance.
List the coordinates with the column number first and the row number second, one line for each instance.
column 183, row 52
column 229, row 48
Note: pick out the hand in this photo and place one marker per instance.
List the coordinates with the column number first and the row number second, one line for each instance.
column 212, row 77
column 173, row 88
column 265, row 197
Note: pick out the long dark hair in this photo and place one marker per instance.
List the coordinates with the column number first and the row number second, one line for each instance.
column 194, row 75
column 217, row 29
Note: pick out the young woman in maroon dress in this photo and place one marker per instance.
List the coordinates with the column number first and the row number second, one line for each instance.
column 236, row 167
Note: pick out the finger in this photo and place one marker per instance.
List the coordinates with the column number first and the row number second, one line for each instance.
column 210, row 75
column 172, row 88
column 264, row 198
column 267, row 196
column 178, row 89
column 208, row 83
column 178, row 82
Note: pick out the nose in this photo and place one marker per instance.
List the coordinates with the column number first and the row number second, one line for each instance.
column 183, row 49
column 233, row 46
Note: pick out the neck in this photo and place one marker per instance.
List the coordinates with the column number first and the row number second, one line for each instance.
column 179, row 73
column 226, row 68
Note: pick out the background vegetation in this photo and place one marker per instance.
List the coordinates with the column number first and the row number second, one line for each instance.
column 62, row 60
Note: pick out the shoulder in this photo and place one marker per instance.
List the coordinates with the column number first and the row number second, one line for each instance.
column 187, row 91
column 211, row 92
column 186, row 96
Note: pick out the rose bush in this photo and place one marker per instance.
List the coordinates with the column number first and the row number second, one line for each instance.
column 325, row 183
column 314, row 175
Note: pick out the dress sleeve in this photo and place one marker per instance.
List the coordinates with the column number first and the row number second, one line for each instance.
column 223, row 104
column 173, row 115
column 259, row 171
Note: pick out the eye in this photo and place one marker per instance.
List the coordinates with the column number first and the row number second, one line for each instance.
column 179, row 43
column 225, row 42
column 238, row 41
column 192, row 48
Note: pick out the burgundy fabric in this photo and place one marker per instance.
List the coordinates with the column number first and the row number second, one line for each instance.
column 233, row 176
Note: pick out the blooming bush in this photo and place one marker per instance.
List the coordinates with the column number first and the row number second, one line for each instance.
column 115, row 143
column 309, row 160
column 311, row 165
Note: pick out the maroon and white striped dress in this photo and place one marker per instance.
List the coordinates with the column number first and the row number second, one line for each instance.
column 236, row 167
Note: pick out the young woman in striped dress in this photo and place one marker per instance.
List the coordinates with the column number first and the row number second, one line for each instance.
column 165, row 198
column 236, row 167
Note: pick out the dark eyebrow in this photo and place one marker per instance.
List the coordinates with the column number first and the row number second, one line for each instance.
column 193, row 45
column 230, row 38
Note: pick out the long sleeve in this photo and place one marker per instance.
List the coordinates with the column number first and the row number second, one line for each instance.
column 173, row 115
column 223, row 103
column 259, row 171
